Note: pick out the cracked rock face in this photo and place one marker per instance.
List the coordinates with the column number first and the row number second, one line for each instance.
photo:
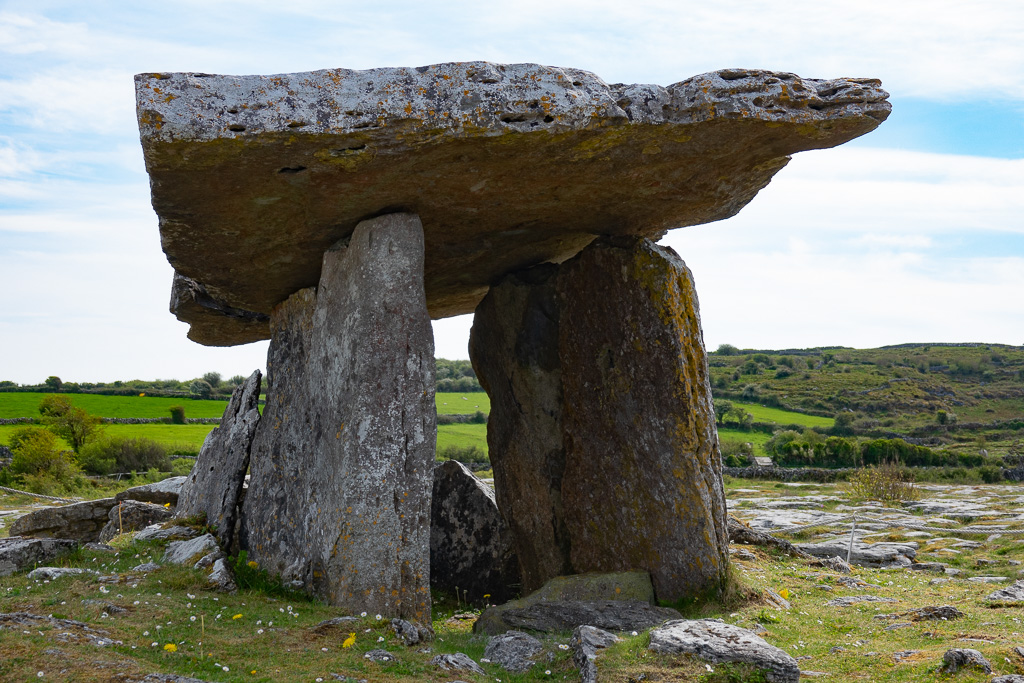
column 507, row 165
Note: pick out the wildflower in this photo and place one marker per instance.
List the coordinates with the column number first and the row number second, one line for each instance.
column 40, row 674
column 380, row 639
column 192, row 618
column 547, row 672
column 323, row 649
column 145, row 633
column 708, row 667
column 252, row 563
column 154, row 644
column 784, row 594
column 362, row 614
column 379, row 617
column 563, row 646
column 167, row 505
column 259, row 631
column 237, row 616
column 225, row 668
column 350, row 641
column 253, row 672
column 171, row 647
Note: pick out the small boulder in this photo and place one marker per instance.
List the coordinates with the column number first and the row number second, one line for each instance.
column 884, row 555
column 515, row 651
column 130, row 515
column 52, row 573
column 585, row 642
column 849, row 600
column 157, row 533
column 963, row 658
column 146, row 567
column 470, row 544
column 189, row 552
column 457, row 662
column 1011, row 595
column 222, row 578
column 17, row 553
column 410, row 633
column 1009, row 678
column 80, row 522
column 718, row 643
column 160, row 493
column 379, row 656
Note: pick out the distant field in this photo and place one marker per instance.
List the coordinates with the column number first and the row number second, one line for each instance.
column 756, row 438
column 18, row 404
column 460, row 404
column 462, row 435
column 783, row 417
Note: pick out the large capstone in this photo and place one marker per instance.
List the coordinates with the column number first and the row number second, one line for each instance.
column 215, row 484
column 299, row 159
column 601, row 432
column 340, row 482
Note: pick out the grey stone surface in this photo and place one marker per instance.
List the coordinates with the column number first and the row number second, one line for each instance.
column 17, row 553
column 514, row 651
column 163, row 534
column 342, row 462
column 470, row 545
column 958, row 658
column 1013, row 595
column 131, row 515
column 514, row 348
column 215, row 484
column 161, row 492
column 80, row 522
column 222, row 578
column 742, row 533
column 146, row 567
column 848, row 600
column 456, row 662
column 584, row 643
column 410, row 633
column 930, row 613
column 1010, row 678
column 717, row 642
column 299, row 159
column 191, row 551
column 379, row 655
column 865, row 554
column 51, row 573
column 642, row 487
column 565, row 615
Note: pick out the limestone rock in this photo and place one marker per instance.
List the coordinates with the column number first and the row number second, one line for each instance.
column 222, row 578
column 514, row 349
column 342, row 462
column 865, row 554
column 215, row 484
column 157, row 533
column 52, row 573
column 642, row 487
column 741, row 533
column 189, row 552
column 161, row 492
column 456, row 662
column 130, row 515
column 964, row 658
column 1010, row 678
column 410, row 633
column 514, row 651
column 299, row 159
column 633, row 587
column 847, row 601
column 470, row 545
column 17, row 553
column 1011, row 595
column 565, row 615
column 717, row 642
column 585, row 642
column 379, row 655
column 80, row 522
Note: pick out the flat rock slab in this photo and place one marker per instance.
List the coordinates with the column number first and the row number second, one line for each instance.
column 79, row 521
column 189, row 552
column 1011, row 595
column 52, row 573
column 161, row 492
column 514, row 651
column 565, row 615
column 131, row 515
column 717, row 642
column 299, row 159
column 865, row 554
column 457, row 662
column 17, row 553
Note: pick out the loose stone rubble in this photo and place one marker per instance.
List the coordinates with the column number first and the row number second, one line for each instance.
column 131, row 515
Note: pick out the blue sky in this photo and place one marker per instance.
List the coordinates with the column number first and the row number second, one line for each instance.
column 914, row 232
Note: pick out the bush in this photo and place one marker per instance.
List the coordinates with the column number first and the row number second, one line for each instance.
column 464, row 454
column 887, row 483
column 479, row 417
column 177, row 415
column 69, row 422
column 40, row 464
column 212, row 378
column 124, row 454
column 200, row 388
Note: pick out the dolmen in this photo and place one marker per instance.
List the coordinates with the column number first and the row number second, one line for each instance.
column 337, row 212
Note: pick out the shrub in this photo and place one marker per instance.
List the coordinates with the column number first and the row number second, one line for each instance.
column 124, row 454
column 464, row 454
column 41, row 465
column 212, row 378
column 479, row 417
column 887, row 483
column 200, row 388
column 67, row 421
column 177, row 414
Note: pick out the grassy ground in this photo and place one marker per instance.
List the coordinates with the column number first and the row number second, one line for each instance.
column 756, row 438
column 18, row 404
column 784, row 417
column 462, row 404
column 462, row 435
column 261, row 634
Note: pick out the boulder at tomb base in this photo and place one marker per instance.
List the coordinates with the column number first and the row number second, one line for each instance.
column 299, row 159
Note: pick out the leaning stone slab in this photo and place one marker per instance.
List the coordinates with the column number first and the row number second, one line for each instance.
column 299, row 159
column 161, row 492
column 1011, row 595
column 470, row 544
column 585, row 642
column 189, row 552
column 80, row 522
column 717, row 642
column 131, row 515
column 18, row 553
column 514, row 651
column 215, row 484
column 349, row 430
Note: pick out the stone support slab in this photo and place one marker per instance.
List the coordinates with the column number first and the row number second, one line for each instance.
column 341, row 474
column 601, row 429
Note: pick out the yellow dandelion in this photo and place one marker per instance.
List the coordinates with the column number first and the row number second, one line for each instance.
column 237, row 616
column 784, row 593
column 167, row 505
column 171, row 647
column 350, row 641
column 253, row 564
column 253, row 672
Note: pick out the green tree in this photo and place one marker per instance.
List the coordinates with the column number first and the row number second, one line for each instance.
column 53, row 383
column 212, row 378
column 722, row 408
column 177, row 415
column 68, row 421
column 727, row 350
column 200, row 388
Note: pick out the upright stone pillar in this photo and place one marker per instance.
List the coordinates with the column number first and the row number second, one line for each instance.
column 601, row 432
column 352, row 431
column 642, row 487
column 514, row 347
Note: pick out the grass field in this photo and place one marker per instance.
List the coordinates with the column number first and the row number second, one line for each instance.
column 462, row 435
column 756, row 438
column 462, row 404
column 18, row 404
column 783, row 417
